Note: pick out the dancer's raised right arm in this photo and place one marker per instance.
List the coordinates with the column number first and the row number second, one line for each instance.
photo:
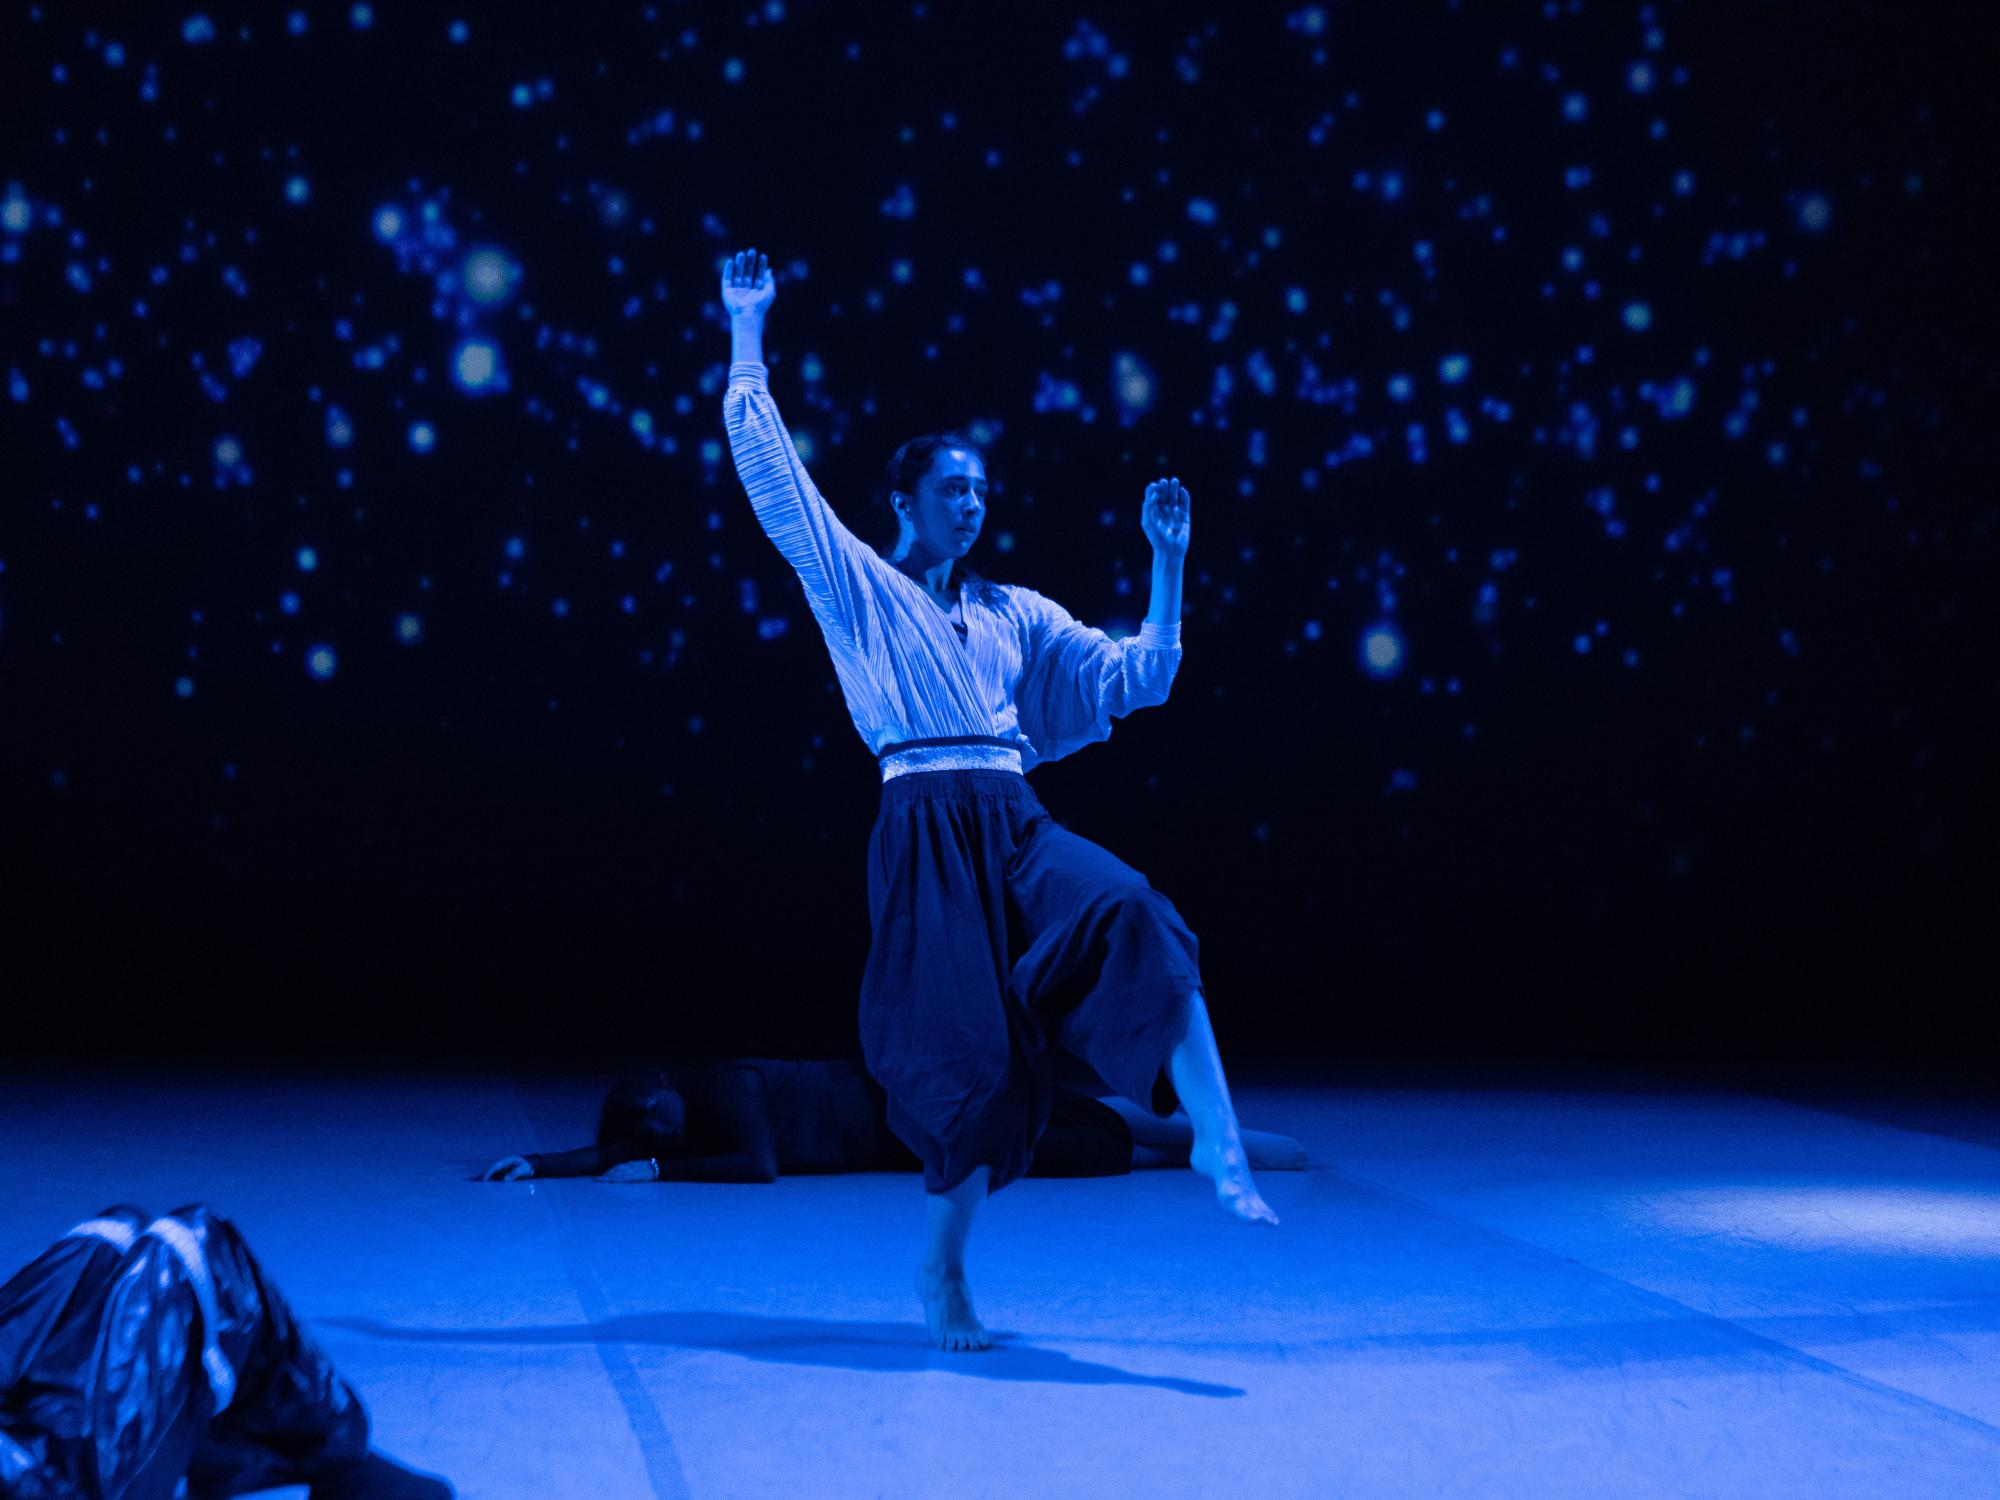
column 833, row 564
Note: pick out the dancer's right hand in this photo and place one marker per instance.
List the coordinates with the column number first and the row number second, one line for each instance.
column 508, row 1169
column 748, row 285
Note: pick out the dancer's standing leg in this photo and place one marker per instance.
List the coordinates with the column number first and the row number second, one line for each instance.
column 941, row 1277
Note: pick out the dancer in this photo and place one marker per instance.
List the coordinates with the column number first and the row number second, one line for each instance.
column 147, row 1358
column 996, row 929
column 752, row 1119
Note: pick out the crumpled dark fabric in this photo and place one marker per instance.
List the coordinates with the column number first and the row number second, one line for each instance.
column 105, row 1391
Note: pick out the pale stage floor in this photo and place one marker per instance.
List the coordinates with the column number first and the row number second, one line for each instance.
column 1574, row 1284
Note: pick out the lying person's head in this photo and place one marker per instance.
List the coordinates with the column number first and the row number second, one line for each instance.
column 642, row 1117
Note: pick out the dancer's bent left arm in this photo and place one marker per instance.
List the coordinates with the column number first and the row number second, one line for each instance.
column 1076, row 679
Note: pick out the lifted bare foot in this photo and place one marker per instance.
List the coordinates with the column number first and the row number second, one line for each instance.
column 1226, row 1167
column 948, row 1311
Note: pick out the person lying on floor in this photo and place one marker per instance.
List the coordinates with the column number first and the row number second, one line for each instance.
column 143, row 1359
column 752, row 1119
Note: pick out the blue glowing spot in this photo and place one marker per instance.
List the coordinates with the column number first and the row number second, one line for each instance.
column 810, row 368
column 711, row 452
column 1381, row 650
column 1421, row 250
column 1638, row 316
column 1582, row 644
column 901, row 204
column 423, row 437
column 475, row 366
column 732, row 70
column 1392, row 185
column 409, row 629
column 1575, row 107
column 1400, row 387
column 458, row 32
column 320, row 662
column 489, row 276
column 1684, row 183
column 297, row 190
column 295, row 23
column 559, row 607
column 308, row 559
column 1401, row 780
column 197, row 29
column 1132, row 384
column 1815, row 213
column 361, row 16
column 1201, row 210
column 1140, row 273
column 17, row 385
column 642, row 424
column 1434, row 120
column 522, row 96
column 1639, row 78
column 1677, row 399
column 243, row 356
column 79, row 276
column 1576, row 177
column 288, row 602
column 1453, row 368
column 900, row 270
column 114, row 54
column 1295, row 299
column 388, row 223
column 339, row 430
column 228, row 452
column 771, row 628
column 515, row 548
column 16, row 213
column 184, row 687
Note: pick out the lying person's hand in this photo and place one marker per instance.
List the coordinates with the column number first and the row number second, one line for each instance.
column 632, row 1171
column 508, row 1169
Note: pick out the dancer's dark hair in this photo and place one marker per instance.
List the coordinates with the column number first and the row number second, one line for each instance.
column 906, row 467
column 641, row 1117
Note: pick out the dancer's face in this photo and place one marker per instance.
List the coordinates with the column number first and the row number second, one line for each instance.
column 944, row 517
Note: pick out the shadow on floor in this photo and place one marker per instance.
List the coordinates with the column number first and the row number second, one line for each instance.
column 886, row 1347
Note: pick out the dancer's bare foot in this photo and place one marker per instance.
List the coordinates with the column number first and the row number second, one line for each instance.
column 1225, row 1166
column 948, row 1311
column 1273, row 1153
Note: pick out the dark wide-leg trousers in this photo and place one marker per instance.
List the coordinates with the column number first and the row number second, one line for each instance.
column 998, row 933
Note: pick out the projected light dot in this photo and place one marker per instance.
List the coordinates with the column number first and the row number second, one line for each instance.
column 423, row 437
column 297, row 190
column 409, row 629
column 515, row 549
column 1575, row 107
column 522, row 96
column 197, row 29
column 1814, row 212
column 476, row 365
column 16, row 214
column 184, row 687
column 1381, row 650
column 362, row 17
column 489, row 277
column 1452, row 368
column 228, row 452
column 320, row 662
column 288, row 602
column 308, row 559
column 1638, row 316
column 458, row 33
column 388, row 223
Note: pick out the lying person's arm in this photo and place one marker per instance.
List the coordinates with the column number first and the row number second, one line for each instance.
column 739, row 1108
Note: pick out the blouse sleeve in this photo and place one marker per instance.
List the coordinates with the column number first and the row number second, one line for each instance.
column 834, row 565
column 1075, row 679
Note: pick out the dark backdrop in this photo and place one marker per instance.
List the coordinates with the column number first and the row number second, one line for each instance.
column 1687, row 747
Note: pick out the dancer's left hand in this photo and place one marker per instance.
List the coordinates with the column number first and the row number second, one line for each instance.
column 1165, row 517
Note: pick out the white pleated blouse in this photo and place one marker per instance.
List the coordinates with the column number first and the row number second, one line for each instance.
column 1022, row 674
